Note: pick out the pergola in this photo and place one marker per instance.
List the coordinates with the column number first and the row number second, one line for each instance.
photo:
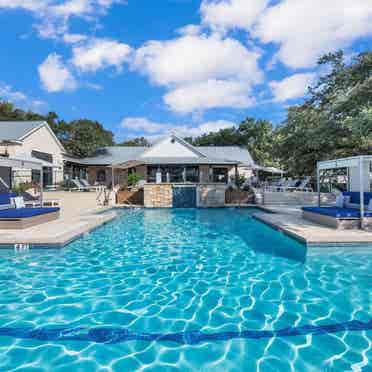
column 360, row 165
column 123, row 166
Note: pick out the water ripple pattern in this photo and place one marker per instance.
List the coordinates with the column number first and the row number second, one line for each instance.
column 189, row 290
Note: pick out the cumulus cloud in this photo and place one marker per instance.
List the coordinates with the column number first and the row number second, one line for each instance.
column 143, row 125
column 55, row 75
column 151, row 129
column 230, row 14
column 74, row 38
column 8, row 93
column 53, row 16
column 192, row 58
column 200, row 71
column 99, row 54
column 305, row 29
column 209, row 94
column 291, row 87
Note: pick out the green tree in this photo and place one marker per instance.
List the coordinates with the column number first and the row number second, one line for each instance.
column 335, row 121
column 136, row 142
column 84, row 137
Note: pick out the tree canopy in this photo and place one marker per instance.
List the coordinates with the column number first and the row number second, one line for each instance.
column 79, row 137
column 335, row 120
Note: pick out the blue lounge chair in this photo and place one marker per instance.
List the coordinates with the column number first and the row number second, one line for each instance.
column 21, row 218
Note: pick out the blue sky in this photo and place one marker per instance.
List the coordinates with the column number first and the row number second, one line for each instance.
column 144, row 67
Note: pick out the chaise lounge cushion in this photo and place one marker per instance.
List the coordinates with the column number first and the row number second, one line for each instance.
column 355, row 197
column 336, row 212
column 25, row 212
column 6, row 196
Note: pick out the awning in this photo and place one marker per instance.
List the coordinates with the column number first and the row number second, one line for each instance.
column 20, row 163
column 344, row 162
column 270, row 169
column 31, row 159
column 127, row 164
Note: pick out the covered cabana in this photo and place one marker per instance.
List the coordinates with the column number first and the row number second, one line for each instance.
column 123, row 166
column 354, row 210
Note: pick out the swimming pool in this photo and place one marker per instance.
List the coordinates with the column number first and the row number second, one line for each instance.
column 167, row 290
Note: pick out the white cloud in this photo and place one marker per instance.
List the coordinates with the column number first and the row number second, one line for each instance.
column 209, row 94
column 192, row 58
column 55, row 76
column 99, row 54
column 306, row 29
column 230, row 14
column 32, row 5
column 143, row 125
column 74, row 38
column 291, row 87
column 200, row 71
column 151, row 129
column 54, row 16
column 8, row 93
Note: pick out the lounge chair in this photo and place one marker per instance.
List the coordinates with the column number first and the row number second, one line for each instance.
column 335, row 217
column 23, row 217
column 303, row 186
column 80, row 187
column 87, row 185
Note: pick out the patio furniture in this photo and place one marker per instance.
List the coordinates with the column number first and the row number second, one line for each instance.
column 79, row 186
column 22, row 218
column 335, row 217
column 87, row 185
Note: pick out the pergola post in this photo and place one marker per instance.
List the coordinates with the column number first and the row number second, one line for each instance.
column 318, row 182
column 112, row 177
column 361, row 188
column 41, row 186
column 236, row 175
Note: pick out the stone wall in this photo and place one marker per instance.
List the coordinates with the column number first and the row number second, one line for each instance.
column 211, row 195
column 158, row 195
column 295, row 198
column 161, row 195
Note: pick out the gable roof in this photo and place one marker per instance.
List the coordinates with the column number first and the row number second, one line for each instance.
column 193, row 151
column 17, row 130
column 235, row 153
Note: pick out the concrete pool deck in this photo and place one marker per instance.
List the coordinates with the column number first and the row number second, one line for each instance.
column 288, row 219
column 79, row 215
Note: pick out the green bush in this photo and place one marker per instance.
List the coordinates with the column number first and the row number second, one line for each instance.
column 133, row 179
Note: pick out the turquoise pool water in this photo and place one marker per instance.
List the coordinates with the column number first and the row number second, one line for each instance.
column 189, row 290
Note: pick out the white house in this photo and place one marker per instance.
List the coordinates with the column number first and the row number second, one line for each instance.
column 32, row 141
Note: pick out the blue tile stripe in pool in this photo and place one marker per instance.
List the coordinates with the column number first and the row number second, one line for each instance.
column 119, row 335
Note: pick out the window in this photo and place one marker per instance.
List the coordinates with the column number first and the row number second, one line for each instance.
column 101, row 175
column 35, row 176
column 42, row 156
column 220, row 175
column 192, row 174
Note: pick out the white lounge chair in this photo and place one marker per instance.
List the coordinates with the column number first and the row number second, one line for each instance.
column 78, row 186
column 87, row 185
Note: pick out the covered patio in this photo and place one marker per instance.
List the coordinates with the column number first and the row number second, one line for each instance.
column 353, row 207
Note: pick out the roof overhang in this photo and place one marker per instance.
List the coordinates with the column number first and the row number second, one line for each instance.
column 350, row 162
column 20, row 163
column 127, row 164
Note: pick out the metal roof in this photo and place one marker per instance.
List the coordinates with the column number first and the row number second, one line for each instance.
column 353, row 161
column 189, row 161
column 17, row 130
column 232, row 153
column 111, row 155
column 213, row 155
